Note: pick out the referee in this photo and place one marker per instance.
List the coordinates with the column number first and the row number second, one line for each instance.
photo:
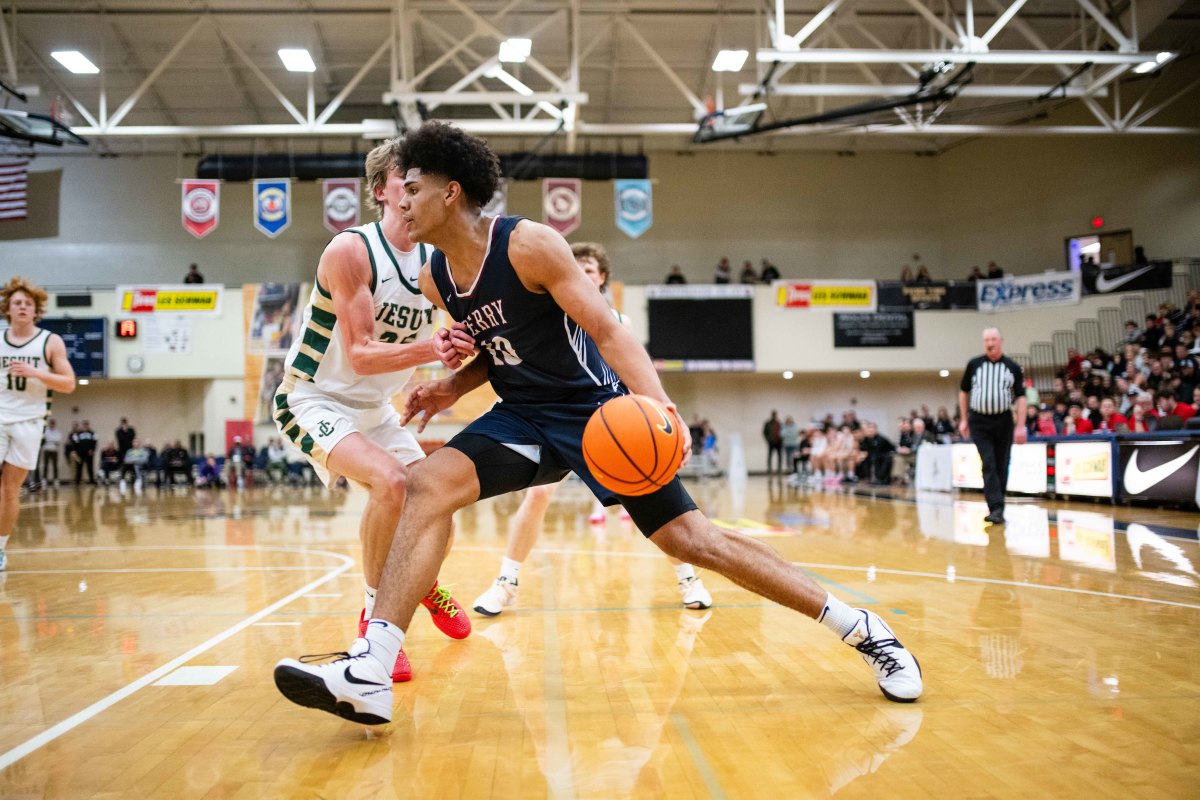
column 985, row 398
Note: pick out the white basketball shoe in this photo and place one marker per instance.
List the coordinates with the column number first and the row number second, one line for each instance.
column 499, row 596
column 896, row 669
column 694, row 594
column 356, row 686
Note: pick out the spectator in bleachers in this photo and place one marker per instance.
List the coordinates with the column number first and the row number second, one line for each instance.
column 1076, row 423
column 1044, row 422
column 124, row 434
column 1139, row 256
column 133, row 463
column 193, row 275
column 769, row 272
column 906, row 275
column 1074, row 366
column 1109, row 419
column 923, row 277
column 210, row 474
column 772, row 435
column 876, row 462
column 676, row 275
column 1188, row 381
column 748, row 276
column 994, row 272
column 1132, row 332
column 976, row 274
column 944, row 427
column 110, row 462
column 1140, row 421
column 723, row 273
column 789, row 435
column 850, row 420
column 176, row 461
column 1169, row 406
column 276, row 461
column 1152, row 334
column 239, row 459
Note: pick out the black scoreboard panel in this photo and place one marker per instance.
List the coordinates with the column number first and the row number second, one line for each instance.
column 86, row 341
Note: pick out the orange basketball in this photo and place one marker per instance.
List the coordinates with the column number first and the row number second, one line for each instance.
column 633, row 445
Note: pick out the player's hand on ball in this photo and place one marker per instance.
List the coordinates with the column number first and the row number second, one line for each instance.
column 685, row 430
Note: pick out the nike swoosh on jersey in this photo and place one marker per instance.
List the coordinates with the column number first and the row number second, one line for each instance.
column 1103, row 284
column 351, row 679
column 1138, row 481
column 385, row 280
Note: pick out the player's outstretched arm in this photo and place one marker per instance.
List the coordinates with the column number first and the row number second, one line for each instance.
column 60, row 377
column 543, row 260
column 345, row 272
column 428, row 399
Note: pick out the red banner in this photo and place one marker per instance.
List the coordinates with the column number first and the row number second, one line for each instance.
column 340, row 196
column 201, row 207
column 562, row 204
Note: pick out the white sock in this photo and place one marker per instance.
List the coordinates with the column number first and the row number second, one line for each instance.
column 509, row 570
column 368, row 601
column 386, row 640
column 684, row 572
column 838, row 617
column 3, row 542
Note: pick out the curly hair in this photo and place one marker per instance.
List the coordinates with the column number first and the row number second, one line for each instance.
column 379, row 162
column 19, row 284
column 595, row 251
column 441, row 149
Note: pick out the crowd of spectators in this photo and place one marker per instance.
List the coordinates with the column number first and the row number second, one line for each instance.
column 724, row 273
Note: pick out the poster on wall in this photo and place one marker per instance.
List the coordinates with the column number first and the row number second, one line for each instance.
column 276, row 318
column 167, row 333
column 272, row 376
column 881, row 329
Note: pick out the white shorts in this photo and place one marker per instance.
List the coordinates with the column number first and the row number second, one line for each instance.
column 20, row 442
column 316, row 424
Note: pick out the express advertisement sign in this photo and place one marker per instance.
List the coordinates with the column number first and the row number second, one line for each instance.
column 1029, row 291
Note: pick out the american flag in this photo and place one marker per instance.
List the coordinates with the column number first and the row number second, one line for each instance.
column 13, row 176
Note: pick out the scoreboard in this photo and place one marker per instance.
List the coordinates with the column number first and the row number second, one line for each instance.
column 86, row 341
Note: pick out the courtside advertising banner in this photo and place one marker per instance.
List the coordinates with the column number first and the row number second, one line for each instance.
column 1029, row 291
column 340, row 201
column 562, row 204
column 831, row 295
column 1026, row 467
column 272, row 205
column 192, row 299
column 201, row 207
column 635, row 207
column 1165, row 471
column 1084, row 468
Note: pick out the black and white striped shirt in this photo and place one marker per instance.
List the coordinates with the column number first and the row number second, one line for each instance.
column 993, row 385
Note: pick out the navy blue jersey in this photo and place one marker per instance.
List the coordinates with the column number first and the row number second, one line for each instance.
column 535, row 353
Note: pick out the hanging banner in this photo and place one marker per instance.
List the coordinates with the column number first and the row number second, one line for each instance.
column 832, row 295
column 272, row 205
column 562, row 204
column 498, row 205
column 191, row 298
column 635, row 206
column 1029, row 291
column 1135, row 278
column 201, row 207
column 938, row 295
column 340, row 200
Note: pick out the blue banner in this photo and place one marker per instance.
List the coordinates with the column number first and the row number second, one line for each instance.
column 635, row 207
column 272, row 205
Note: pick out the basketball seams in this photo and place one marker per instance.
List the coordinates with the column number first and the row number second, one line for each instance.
column 612, row 435
column 615, row 438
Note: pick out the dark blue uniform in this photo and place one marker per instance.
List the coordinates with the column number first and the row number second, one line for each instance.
column 550, row 378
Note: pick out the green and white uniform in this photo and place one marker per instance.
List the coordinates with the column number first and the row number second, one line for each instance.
column 322, row 399
column 24, row 402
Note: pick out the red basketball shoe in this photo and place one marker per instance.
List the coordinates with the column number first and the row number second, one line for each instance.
column 447, row 614
column 402, row 671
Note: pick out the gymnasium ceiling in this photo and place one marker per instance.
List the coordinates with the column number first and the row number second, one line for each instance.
column 191, row 76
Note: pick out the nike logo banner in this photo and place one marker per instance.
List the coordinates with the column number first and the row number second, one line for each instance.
column 1165, row 471
column 1106, row 280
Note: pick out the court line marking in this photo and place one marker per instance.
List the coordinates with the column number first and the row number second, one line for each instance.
column 865, row 599
column 693, row 747
column 561, row 780
column 50, row 734
column 156, row 570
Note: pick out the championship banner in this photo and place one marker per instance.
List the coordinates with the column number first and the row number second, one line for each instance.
column 939, row 295
column 201, row 207
column 498, row 205
column 340, row 201
column 562, row 204
column 635, row 207
column 272, row 205
column 172, row 299
column 1164, row 471
column 832, row 295
column 1136, row 278
column 1029, row 291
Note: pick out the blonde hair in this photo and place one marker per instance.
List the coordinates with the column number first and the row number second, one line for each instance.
column 595, row 251
column 36, row 293
column 380, row 162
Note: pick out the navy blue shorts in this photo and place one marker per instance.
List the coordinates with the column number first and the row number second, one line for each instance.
column 556, row 431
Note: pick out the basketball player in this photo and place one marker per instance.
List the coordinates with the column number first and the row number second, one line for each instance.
column 550, row 339
column 592, row 258
column 366, row 328
column 33, row 365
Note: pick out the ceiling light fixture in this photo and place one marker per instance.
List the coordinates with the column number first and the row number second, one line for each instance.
column 75, row 61
column 730, row 60
column 297, row 60
column 515, row 51
column 1150, row 66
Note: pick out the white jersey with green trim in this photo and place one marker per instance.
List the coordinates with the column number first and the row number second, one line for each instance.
column 24, row 399
column 318, row 362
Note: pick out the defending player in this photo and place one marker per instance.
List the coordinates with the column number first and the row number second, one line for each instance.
column 33, row 365
column 366, row 328
column 554, row 352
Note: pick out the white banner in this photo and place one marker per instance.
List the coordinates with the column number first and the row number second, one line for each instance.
column 1029, row 291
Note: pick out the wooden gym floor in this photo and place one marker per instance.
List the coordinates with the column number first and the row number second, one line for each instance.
column 138, row 634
